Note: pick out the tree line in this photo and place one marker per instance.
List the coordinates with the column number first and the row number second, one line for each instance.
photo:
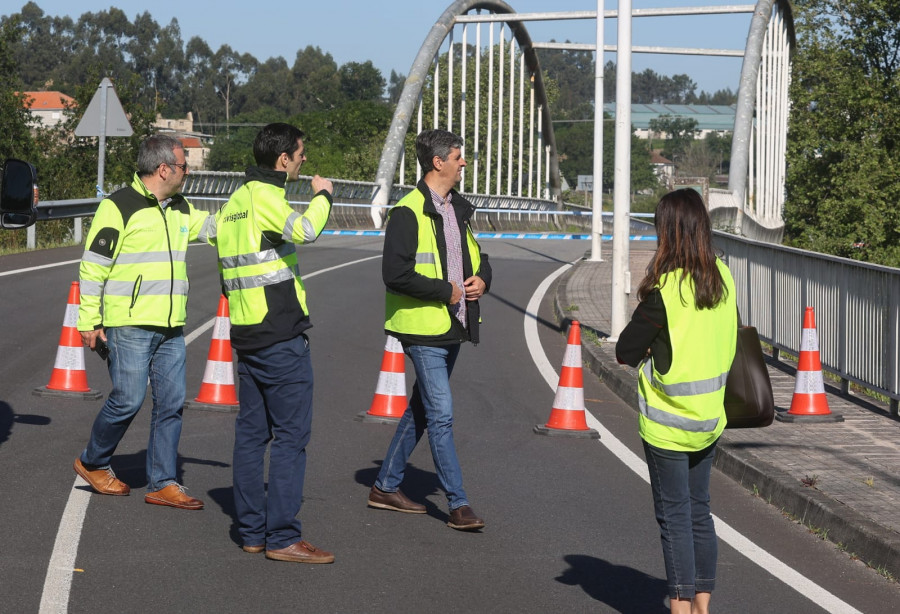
column 843, row 164
column 345, row 109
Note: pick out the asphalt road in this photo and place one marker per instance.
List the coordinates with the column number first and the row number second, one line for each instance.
column 569, row 527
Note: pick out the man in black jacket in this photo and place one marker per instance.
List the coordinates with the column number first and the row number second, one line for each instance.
column 434, row 273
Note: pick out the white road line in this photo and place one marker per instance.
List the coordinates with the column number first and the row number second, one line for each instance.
column 38, row 268
column 726, row 532
column 58, row 582
column 56, row 264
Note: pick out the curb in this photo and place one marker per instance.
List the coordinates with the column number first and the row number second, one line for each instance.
column 849, row 530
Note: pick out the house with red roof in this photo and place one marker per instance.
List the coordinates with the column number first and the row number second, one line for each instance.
column 196, row 148
column 48, row 107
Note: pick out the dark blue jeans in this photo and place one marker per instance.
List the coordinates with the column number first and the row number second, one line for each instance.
column 680, row 485
column 276, row 391
column 136, row 356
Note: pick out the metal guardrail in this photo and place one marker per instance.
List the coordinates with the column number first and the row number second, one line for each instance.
column 857, row 304
column 857, row 307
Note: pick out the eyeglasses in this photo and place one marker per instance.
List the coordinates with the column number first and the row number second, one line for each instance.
column 183, row 167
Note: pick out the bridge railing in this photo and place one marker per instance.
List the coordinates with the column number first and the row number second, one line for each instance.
column 208, row 190
column 857, row 308
column 857, row 304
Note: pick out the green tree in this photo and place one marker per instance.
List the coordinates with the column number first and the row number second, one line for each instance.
column 15, row 120
column 843, row 174
column 395, row 87
column 317, row 84
column 233, row 151
column 200, row 86
column 720, row 145
column 230, row 70
column 575, row 143
column 679, row 133
column 157, row 56
column 271, row 86
column 333, row 135
column 43, row 53
column 573, row 71
column 361, row 81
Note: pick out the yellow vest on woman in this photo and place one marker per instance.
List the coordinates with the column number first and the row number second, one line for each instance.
column 683, row 409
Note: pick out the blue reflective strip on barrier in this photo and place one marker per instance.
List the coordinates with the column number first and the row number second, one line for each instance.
column 354, row 233
column 495, row 235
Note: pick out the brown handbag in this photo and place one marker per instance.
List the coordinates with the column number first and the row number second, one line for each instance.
column 748, row 391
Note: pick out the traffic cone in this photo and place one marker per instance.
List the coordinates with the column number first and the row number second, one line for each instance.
column 69, row 379
column 567, row 418
column 389, row 401
column 217, row 390
column 809, row 403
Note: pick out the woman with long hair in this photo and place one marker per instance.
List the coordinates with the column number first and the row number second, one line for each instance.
column 683, row 335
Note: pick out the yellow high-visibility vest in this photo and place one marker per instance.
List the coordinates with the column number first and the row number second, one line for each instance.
column 683, row 409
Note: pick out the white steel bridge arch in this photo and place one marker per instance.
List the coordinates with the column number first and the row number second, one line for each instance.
column 753, row 203
column 546, row 163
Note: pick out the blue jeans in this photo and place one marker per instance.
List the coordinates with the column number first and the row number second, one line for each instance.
column 276, row 392
column 680, row 485
column 431, row 407
column 137, row 354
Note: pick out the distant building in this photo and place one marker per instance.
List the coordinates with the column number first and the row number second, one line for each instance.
column 663, row 168
column 709, row 118
column 196, row 149
column 195, row 152
column 48, row 107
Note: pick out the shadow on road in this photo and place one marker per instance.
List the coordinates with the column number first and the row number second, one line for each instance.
column 131, row 468
column 8, row 417
column 624, row 589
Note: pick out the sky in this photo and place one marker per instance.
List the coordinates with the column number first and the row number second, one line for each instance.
column 390, row 33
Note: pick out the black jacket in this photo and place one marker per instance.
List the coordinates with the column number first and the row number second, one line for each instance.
column 648, row 329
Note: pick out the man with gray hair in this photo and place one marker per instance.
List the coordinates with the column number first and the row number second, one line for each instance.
column 134, row 285
column 434, row 273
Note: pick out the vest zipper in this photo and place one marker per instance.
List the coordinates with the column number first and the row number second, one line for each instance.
column 171, row 266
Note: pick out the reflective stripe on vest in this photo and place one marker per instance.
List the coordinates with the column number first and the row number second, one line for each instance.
column 680, row 390
column 245, row 269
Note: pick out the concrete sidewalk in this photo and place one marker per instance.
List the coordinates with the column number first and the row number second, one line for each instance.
column 851, row 469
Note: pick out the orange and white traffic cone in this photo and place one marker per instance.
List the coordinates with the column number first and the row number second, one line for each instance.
column 567, row 417
column 217, row 390
column 69, row 378
column 389, row 401
column 809, row 403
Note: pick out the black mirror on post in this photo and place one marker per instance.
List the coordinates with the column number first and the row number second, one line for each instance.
column 18, row 195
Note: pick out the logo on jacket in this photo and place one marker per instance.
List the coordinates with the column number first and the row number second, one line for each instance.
column 240, row 215
column 184, row 229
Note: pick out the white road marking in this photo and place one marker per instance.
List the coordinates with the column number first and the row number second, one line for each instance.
column 58, row 582
column 38, row 268
column 726, row 532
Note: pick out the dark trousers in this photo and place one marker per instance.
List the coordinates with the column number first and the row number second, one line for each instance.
column 276, row 390
column 680, row 485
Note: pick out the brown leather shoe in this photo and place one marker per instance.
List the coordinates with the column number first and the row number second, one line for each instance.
column 173, row 495
column 464, row 519
column 253, row 549
column 103, row 481
column 395, row 501
column 300, row 552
